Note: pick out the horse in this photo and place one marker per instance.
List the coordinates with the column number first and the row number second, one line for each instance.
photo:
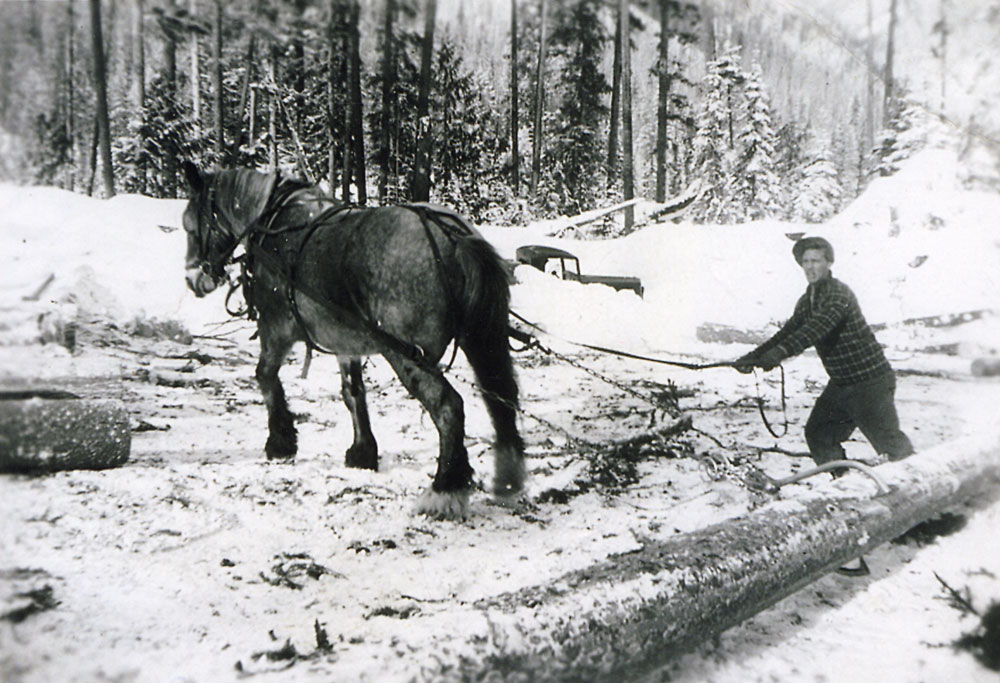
column 402, row 281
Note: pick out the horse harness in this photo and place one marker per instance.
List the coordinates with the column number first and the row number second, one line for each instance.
column 255, row 233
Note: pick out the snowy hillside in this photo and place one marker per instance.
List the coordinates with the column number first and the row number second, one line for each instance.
column 914, row 245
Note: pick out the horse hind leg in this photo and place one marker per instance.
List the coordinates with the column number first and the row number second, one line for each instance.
column 363, row 453
column 282, row 441
column 490, row 360
column 448, row 495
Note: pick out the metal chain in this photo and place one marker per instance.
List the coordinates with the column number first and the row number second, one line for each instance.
column 671, row 409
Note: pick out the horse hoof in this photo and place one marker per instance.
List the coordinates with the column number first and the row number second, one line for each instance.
column 280, row 448
column 362, row 458
column 453, row 505
column 508, row 477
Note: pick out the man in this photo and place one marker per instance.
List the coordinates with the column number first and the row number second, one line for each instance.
column 862, row 386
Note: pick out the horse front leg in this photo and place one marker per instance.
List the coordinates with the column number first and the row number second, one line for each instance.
column 363, row 453
column 275, row 343
column 448, row 495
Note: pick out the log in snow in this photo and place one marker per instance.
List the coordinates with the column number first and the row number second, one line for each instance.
column 635, row 612
column 986, row 367
column 46, row 431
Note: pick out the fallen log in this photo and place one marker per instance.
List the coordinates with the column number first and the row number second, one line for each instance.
column 46, row 431
column 594, row 215
column 986, row 367
column 717, row 333
column 940, row 320
column 628, row 616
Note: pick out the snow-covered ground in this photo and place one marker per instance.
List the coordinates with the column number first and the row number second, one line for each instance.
column 199, row 554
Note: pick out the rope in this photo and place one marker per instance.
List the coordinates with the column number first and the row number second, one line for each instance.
column 533, row 343
column 626, row 354
column 784, row 405
column 760, row 480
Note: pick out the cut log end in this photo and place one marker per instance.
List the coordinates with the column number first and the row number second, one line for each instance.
column 986, row 367
column 40, row 434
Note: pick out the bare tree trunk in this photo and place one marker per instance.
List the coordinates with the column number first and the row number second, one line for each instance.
column 101, row 88
column 299, row 64
column 890, row 50
column 92, row 158
column 70, row 90
column 388, row 84
column 346, row 146
column 139, row 88
column 420, row 185
column 357, row 121
column 514, row 124
column 253, row 118
column 627, row 180
column 708, row 13
column 219, row 121
column 195, row 67
column 536, row 142
column 170, row 165
column 616, row 105
column 869, row 128
column 944, row 30
column 272, row 110
column 245, row 91
column 662, row 103
column 34, row 27
column 331, row 94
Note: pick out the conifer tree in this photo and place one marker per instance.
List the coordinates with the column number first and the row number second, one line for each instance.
column 905, row 133
column 756, row 185
column 713, row 160
column 677, row 22
column 818, row 193
column 576, row 153
column 789, row 160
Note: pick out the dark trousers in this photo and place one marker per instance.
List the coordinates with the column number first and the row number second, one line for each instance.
column 869, row 406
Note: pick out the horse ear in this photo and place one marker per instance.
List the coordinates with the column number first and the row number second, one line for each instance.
column 194, row 177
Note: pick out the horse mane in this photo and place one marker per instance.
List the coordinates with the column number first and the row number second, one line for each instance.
column 287, row 187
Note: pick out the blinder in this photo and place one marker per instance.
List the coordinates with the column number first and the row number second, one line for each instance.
column 213, row 253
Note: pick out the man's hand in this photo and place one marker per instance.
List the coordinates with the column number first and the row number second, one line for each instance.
column 745, row 363
column 769, row 360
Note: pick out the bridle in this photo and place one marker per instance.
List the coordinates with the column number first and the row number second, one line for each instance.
column 209, row 223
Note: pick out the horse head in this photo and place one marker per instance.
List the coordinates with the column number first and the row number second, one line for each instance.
column 223, row 208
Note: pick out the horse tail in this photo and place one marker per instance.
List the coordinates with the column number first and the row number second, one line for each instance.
column 485, row 305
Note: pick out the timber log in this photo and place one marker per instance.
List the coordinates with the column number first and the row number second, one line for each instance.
column 46, row 431
column 628, row 616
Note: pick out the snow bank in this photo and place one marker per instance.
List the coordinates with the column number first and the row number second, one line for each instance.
column 915, row 244
column 111, row 259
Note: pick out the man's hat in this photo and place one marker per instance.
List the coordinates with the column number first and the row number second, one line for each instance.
column 802, row 245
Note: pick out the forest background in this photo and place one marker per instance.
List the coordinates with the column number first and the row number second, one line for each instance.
column 779, row 109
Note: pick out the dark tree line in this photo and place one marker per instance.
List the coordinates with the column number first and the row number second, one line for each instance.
column 378, row 101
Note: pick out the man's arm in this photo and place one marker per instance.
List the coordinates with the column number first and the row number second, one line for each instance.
column 747, row 362
column 816, row 324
